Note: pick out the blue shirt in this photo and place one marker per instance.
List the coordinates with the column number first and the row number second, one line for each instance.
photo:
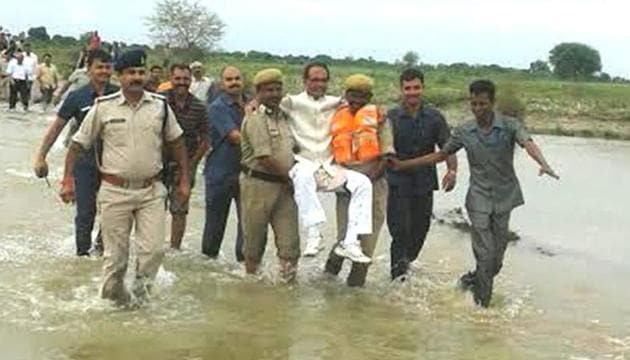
column 80, row 101
column 223, row 163
column 416, row 136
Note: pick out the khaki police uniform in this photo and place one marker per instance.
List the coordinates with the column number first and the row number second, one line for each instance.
column 267, row 198
column 132, row 141
column 379, row 209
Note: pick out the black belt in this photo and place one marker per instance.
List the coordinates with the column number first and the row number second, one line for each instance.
column 264, row 176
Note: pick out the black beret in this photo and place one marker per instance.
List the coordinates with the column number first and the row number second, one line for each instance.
column 131, row 58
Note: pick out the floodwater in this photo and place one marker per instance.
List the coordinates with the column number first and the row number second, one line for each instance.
column 563, row 294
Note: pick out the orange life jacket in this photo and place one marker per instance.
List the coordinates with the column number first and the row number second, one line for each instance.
column 355, row 137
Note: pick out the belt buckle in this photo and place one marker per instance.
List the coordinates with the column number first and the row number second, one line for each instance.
column 134, row 184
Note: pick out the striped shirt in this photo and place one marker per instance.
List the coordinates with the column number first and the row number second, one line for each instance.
column 193, row 119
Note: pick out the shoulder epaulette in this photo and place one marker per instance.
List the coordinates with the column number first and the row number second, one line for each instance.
column 157, row 96
column 108, row 97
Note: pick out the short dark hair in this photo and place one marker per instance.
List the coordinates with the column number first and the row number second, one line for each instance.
column 314, row 64
column 411, row 74
column 47, row 54
column 479, row 87
column 98, row 54
column 178, row 66
column 156, row 67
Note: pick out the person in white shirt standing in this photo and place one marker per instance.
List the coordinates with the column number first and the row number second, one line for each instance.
column 311, row 114
column 31, row 60
column 19, row 74
column 200, row 85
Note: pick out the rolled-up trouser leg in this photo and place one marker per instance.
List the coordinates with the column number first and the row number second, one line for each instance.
column 150, row 228
column 360, row 205
column 311, row 211
column 489, row 241
column 116, row 220
column 284, row 222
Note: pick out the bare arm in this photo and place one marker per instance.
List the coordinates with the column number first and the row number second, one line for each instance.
column 450, row 178
column 429, row 159
column 52, row 133
column 202, row 149
column 534, row 152
column 67, row 184
column 177, row 150
column 234, row 137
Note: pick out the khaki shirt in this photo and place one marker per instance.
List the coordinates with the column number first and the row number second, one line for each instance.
column 494, row 187
column 264, row 134
column 132, row 138
column 47, row 76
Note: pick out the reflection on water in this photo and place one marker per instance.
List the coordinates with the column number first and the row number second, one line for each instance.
column 569, row 306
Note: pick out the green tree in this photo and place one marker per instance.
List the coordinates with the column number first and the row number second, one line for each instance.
column 185, row 24
column 38, row 33
column 410, row 59
column 574, row 60
column 539, row 67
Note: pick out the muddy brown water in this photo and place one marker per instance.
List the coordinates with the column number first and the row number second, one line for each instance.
column 563, row 293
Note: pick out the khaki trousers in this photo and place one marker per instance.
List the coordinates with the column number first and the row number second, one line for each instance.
column 120, row 210
column 264, row 203
column 368, row 242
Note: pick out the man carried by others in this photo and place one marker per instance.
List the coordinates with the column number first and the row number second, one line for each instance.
column 311, row 114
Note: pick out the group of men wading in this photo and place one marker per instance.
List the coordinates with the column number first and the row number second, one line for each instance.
column 272, row 154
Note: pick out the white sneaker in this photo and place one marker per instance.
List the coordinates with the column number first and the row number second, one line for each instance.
column 313, row 246
column 353, row 252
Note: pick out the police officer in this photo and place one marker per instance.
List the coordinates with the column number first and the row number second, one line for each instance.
column 133, row 126
column 494, row 189
column 266, row 194
column 417, row 129
column 86, row 179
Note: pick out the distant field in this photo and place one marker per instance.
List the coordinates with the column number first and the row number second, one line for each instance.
column 547, row 105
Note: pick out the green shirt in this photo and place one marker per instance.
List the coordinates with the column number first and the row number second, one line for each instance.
column 493, row 187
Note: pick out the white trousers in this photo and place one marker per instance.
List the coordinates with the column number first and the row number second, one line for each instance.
column 309, row 177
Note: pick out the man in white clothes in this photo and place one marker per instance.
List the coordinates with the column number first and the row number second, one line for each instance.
column 311, row 113
column 200, row 86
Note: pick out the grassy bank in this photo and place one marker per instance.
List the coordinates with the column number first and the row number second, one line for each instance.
column 547, row 105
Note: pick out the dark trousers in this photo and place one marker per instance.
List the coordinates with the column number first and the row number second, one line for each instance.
column 86, row 184
column 21, row 88
column 408, row 220
column 489, row 242
column 218, row 200
column 47, row 95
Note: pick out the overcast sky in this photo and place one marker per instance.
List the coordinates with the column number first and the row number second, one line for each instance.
column 505, row 32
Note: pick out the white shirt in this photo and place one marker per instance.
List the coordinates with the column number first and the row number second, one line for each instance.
column 19, row 71
column 200, row 88
column 310, row 124
column 32, row 61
